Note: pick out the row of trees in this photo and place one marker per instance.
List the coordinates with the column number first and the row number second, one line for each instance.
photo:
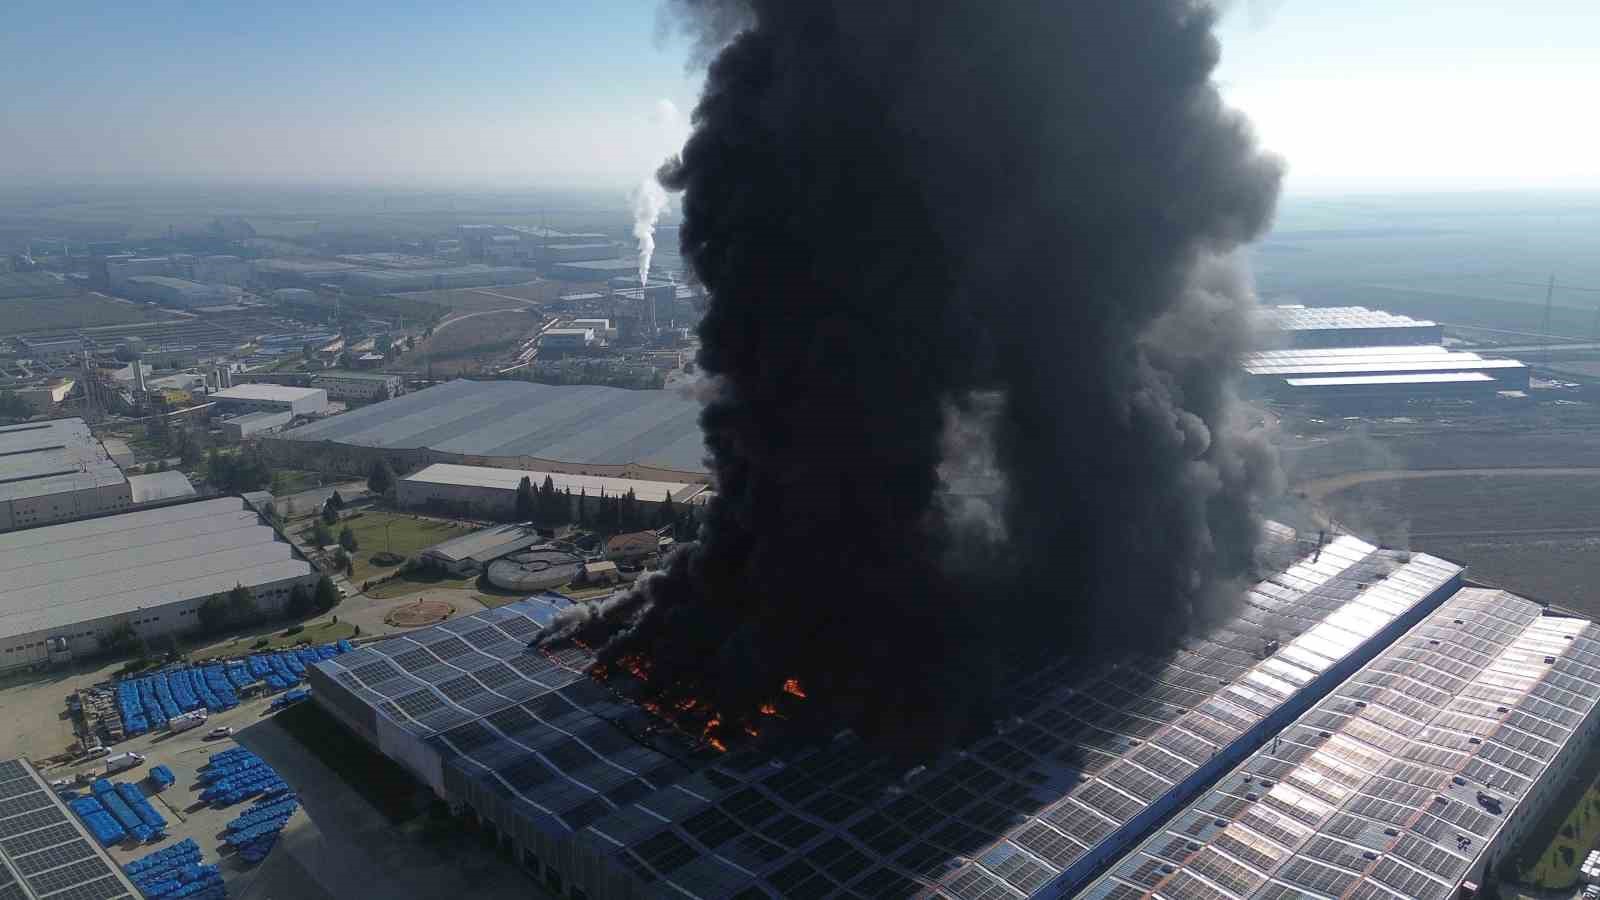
column 547, row 507
column 13, row 408
column 238, row 606
column 246, row 470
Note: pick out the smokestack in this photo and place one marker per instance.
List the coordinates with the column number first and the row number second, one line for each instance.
column 1015, row 223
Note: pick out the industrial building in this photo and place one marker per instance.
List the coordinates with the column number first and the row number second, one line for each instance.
column 1409, row 780
column 45, row 851
column 491, row 492
column 598, row 798
column 159, row 487
column 1269, row 369
column 566, row 340
column 1293, row 325
column 472, row 553
column 174, row 291
column 363, row 386
column 577, row 429
column 252, row 424
column 247, row 398
column 55, row 471
column 73, row 584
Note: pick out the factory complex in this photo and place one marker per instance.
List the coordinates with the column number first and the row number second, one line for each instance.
column 45, row 852
column 1353, row 356
column 65, row 588
column 1410, row 779
column 597, row 797
column 577, row 429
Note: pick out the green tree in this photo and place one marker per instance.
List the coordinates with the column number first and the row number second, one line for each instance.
column 299, row 605
column 330, row 515
column 526, row 505
column 123, row 640
column 583, row 508
column 548, row 506
column 13, row 407
column 242, row 605
column 335, row 500
column 326, row 596
column 321, row 535
column 213, row 613
column 347, row 539
column 668, row 512
column 380, row 477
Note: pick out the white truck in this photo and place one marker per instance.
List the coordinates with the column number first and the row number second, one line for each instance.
column 122, row 762
column 187, row 721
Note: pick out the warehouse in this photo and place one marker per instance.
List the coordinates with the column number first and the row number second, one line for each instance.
column 78, row 582
column 1408, row 781
column 45, row 850
column 577, row 429
column 1342, row 326
column 1369, row 391
column 1269, row 369
column 174, row 291
column 364, row 386
column 251, row 424
column 489, row 492
column 56, row 471
column 598, row 798
column 248, row 398
column 472, row 553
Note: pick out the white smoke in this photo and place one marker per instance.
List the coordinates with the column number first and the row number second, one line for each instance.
column 649, row 202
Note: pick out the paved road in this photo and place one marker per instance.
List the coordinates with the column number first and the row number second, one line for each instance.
column 1322, row 487
column 487, row 312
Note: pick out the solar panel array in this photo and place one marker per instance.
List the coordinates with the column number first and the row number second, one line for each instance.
column 43, row 855
column 1395, row 784
column 1001, row 819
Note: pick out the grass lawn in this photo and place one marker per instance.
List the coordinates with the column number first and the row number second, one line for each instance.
column 321, row 633
column 389, row 788
column 402, row 534
column 415, row 582
column 293, row 481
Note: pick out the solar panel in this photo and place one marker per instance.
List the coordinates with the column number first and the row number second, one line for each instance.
column 17, row 787
column 50, row 858
column 39, row 818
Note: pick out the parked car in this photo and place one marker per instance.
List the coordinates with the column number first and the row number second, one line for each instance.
column 219, row 733
column 62, row 783
column 97, row 752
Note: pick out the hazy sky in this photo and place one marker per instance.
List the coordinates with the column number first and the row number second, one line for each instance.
column 1357, row 94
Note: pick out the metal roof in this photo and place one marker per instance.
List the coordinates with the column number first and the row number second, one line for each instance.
column 1004, row 817
column 1317, row 318
column 159, row 486
column 1396, row 784
column 1413, row 378
column 1336, row 353
column 487, row 544
column 593, row 485
column 1452, row 362
column 59, row 455
column 280, row 392
column 45, row 849
column 571, row 423
column 60, row 575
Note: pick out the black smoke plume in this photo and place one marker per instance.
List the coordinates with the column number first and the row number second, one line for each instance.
column 925, row 220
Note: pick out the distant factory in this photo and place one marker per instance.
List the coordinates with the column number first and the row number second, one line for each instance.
column 1354, row 358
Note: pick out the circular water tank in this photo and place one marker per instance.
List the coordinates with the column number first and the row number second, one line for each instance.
column 534, row 569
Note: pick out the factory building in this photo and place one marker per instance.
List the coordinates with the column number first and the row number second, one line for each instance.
column 597, row 797
column 1271, row 371
column 1408, row 781
column 489, row 492
column 120, row 269
column 363, row 386
column 45, row 397
column 45, row 850
column 1342, row 326
column 74, row 584
column 56, row 471
column 472, row 553
column 247, row 398
column 576, row 429
column 566, row 340
column 283, row 272
column 174, row 291
column 249, row 425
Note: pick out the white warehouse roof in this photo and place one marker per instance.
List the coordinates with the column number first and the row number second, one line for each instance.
column 59, row 575
column 280, row 392
column 42, row 458
column 1417, row 378
column 594, row 485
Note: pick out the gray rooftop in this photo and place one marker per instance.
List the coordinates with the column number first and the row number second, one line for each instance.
column 162, row 485
column 42, row 458
column 355, row 376
column 59, row 575
column 260, row 391
column 570, row 423
column 486, row 545
column 1316, row 318
column 44, row 850
column 1379, row 791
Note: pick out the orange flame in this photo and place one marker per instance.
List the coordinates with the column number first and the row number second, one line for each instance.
column 751, row 730
column 792, row 686
column 767, row 709
column 721, row 747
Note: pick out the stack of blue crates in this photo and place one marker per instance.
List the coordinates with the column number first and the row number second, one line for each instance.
column 237, row 774
column 100, row 823
column 133, row 721
column 106, row 793
column 255, row 832
column 147, row 703
column 161, row 777
column 141, row 807
column 176, row 872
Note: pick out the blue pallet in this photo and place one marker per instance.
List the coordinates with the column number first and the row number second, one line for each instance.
column 162, row 777
column 141, row 807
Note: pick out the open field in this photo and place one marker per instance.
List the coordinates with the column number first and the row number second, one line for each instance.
column 51, row 313
column 405, row 535
column 463, row 343
column 1533, row 533
column 497, row 296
